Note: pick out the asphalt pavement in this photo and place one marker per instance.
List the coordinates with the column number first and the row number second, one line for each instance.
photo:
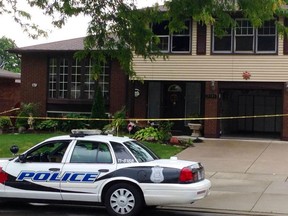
column 247, row 176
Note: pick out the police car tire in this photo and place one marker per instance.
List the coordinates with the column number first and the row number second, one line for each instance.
column 123, row 199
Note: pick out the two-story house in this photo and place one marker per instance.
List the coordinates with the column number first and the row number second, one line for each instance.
column 238, row 83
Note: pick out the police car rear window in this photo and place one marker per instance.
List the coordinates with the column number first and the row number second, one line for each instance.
column 140, row 152
column 122, row 154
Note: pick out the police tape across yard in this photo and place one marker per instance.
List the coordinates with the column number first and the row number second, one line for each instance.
column 63, row 118
column 150, row 119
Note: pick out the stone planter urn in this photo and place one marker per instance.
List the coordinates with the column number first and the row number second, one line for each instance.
column 195, row 127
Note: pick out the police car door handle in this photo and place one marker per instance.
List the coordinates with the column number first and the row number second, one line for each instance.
column 103, row 170
column 54, row 169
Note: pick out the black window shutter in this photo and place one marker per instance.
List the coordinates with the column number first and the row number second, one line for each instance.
column 201, row 39
column 285, row 48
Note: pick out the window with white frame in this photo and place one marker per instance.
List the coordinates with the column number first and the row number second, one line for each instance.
column 162, row 32
column 76, row 80
column 267, row 37
column 52, row 78
column 244, row 38
column 63, row 78
column 89, row 82
column 103, row 81
column 223, row 43
column 72, row 79
column 178, row 42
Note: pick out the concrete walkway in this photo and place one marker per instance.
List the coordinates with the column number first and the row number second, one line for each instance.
column 248, row 176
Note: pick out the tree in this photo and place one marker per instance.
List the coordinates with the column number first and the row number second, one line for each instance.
column 119, row 30
column 98, row 109
column 8, row 61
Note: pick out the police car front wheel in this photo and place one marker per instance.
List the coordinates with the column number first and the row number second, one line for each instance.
column 123, row 200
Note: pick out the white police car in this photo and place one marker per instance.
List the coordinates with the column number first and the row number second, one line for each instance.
column 118, row 172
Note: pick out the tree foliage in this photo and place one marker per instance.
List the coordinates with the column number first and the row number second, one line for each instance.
column 119, row 30
column 98, row 109
column 8, row 61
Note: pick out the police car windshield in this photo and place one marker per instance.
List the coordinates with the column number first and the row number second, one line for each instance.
column 140, row 152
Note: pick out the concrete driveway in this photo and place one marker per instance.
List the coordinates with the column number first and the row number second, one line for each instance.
column 248, row 176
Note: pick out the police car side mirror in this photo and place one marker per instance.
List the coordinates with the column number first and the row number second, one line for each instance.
column 22, row 158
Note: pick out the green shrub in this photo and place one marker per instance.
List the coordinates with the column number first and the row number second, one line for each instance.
column 69, row 124
column 118, row 122
column 148, row 133
column 25, row 111
column 161, row 133
column 5, row 122
column 48, row 125
column 165, row 130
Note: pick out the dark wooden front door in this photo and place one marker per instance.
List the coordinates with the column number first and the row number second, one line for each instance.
column 174, row 103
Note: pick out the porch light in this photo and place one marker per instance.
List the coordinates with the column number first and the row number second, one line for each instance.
column 136, row 92
column 212, row 85
column 286, row 86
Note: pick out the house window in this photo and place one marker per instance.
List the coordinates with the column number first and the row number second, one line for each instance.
column 224, row 44
column 63, row 78
column 89, row 83
column 181, row 40
column 71, row 79
column 266, row 40
column 162, row 32
column 103, row 80
column 76, row 80
column 178, row 42
column 52, row 78
column 244, row 38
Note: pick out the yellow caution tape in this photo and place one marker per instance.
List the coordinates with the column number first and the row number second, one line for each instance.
column 152, row 119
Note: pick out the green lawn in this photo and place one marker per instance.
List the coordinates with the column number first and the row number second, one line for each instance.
column 25, row 141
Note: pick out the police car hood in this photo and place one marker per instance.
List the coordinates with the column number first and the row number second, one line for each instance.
column 173, row 163
column 4, row 161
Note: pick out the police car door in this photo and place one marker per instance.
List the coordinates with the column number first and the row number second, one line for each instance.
column 37, row 173
column 89, row 161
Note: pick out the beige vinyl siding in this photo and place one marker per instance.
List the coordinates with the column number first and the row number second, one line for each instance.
column 194, row 36
column 192, row 67
column 281, row 41
column 214, row 67
column 208, row 40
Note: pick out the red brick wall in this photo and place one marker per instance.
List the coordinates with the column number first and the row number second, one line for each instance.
column 211, row 127
column 118, row 88
column 285, row 111
column 140, row 103
column 9, row 94
column 34, row 70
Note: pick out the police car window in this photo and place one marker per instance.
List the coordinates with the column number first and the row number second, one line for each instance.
column 48, row 152
column 140, row 152
column 91, row 152
column 121, row 153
